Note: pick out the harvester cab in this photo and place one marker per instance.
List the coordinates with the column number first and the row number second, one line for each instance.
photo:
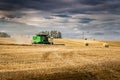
column 41, row 39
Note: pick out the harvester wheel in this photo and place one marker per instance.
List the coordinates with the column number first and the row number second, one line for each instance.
column 51, row 43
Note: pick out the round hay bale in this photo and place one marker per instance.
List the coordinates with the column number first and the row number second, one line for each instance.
column 105, row 45
column 86, row 44
column 85, row 38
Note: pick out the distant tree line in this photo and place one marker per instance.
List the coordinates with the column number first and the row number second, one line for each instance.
column 3, row 34
column 53, row 33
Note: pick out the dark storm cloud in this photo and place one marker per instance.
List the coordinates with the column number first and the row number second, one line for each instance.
column 48, row 17
column 15, row 15
column 92, row 2
column 30, row 4
column 53, row 5
column 85, row 20
column 109, row 20
column 62, row 15
column 11, row 4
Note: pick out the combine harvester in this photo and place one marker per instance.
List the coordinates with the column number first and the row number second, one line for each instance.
column 41, row 39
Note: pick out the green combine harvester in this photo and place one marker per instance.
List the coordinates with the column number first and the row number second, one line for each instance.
column 41, row 39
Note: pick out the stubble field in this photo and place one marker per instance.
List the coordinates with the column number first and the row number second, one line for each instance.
column 21, row 60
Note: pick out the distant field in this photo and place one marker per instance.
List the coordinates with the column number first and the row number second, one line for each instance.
column 21, row 60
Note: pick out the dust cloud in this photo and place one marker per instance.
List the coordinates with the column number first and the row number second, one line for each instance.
column 22, row 40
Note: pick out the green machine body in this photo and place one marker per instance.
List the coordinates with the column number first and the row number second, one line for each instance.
column 40, row 39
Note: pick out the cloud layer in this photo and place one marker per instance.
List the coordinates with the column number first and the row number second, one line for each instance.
column 97, row 18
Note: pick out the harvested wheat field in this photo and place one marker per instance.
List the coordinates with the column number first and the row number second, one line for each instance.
column 71, row 61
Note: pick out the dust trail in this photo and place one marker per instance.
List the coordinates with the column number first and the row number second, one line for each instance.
column 22, row 40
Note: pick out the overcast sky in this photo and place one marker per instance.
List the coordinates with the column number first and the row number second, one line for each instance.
column 99, row 19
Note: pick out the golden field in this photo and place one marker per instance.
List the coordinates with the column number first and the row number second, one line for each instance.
column 21, row 60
